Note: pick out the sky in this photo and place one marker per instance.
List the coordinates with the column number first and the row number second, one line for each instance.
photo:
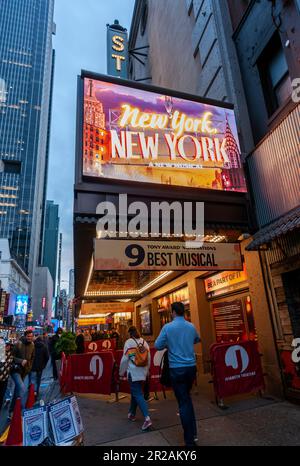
column 80, row 43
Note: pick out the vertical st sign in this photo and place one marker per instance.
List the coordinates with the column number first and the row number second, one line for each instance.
column 117, row 51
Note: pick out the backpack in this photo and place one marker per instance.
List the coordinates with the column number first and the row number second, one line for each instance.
column 141, row 355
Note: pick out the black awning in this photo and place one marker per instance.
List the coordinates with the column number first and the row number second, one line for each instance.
column 283, row 225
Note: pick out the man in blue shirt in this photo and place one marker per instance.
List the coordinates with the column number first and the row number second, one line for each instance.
column 179, row 337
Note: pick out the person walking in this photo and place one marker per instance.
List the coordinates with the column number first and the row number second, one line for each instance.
column 5, row 368
column 46, row 339
column 53, row 353
column 79, row 341
column 87, row 335
column 136, row 374
column 179, row 337
column 41, row 357
column 23, row 354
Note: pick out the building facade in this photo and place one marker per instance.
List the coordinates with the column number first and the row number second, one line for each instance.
column 42, row 295
column 267, row 39
column 71, row 284
column 14, row 281
column 246, row 53
column 50, row 243
column 26, row 73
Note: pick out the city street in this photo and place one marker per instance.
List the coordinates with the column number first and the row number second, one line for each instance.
column 248, row 421
column 149, row 224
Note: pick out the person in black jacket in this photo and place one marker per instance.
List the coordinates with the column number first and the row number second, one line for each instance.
column 41, row 358
column 79, row 342
column 53, row 353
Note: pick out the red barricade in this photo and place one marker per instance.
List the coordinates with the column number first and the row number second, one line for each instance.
column 90, row 372
column 64, row 374
column 236, row 368
column 99, row 372
column 100, row 345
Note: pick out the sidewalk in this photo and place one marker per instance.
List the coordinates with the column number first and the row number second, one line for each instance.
column 247, row 421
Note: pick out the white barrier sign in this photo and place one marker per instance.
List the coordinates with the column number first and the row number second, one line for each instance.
column 62, row 421
column 65, row 420
column 35, row 428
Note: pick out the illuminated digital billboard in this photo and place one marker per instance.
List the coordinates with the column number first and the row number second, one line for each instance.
column 133, row 134
column 21, row 305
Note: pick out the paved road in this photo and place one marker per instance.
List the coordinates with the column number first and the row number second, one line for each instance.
column 248, row 421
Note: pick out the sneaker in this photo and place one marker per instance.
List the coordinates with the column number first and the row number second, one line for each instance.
column 146, row 424
column 131, row 417
column 196, row 439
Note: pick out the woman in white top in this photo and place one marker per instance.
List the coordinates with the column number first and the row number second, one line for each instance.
column 136, row 375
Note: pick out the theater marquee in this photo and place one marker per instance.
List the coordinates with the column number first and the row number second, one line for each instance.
column 133, row 134
column 165, row 255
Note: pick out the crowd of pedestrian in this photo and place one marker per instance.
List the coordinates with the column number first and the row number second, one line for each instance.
column 25, row 361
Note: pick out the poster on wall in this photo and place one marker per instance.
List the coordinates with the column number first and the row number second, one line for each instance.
column 146, row 321
column 134, row 134
column 229, row 321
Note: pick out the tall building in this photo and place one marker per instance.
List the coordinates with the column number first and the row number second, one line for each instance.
column 50, row 243
column 42, row 295
column 71, row 283
column 26, row 72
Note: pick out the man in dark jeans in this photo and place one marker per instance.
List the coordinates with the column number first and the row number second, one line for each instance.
column 179, row 337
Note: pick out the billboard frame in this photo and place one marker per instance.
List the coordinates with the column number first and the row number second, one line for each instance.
column 136, row 185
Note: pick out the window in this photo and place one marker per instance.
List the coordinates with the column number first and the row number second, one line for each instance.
column 274, row 75
column 144, row 17
column 11, row 166
column 2, row 91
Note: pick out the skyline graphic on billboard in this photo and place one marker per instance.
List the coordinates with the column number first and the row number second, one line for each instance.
column 131, row 134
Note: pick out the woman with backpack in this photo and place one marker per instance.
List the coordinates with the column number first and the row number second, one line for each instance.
column 136, row 361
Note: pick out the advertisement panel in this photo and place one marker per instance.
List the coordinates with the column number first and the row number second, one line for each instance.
column 225, row 282
column 21, row 305
column 165, row 255
column 99, row 308
column 132, row 134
